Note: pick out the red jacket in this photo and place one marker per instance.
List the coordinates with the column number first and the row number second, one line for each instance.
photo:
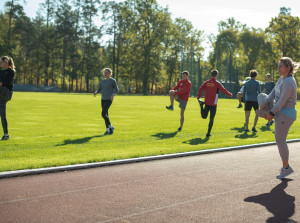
column 184, row 87
column 212, row 87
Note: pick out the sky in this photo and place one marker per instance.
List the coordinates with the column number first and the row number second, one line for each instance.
column 205, row 14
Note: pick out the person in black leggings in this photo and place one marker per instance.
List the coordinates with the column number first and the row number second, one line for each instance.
column 6, row 90
column 108, row 87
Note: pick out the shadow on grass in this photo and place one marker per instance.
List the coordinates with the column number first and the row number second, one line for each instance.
column 196, row 141
column 265, row 128
column 78, row 141
column 164, row 135
column 277, row 202
column 244, row 135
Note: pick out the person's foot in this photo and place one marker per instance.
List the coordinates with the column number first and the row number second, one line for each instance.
column 240, row 106
column 284, row 172
column 208, row 135
column 268, row 124
column 254, row 129
column 111, row 130
column 246, row 130
column 271, row 122
column 170, row 108
column 5, row 137
column 107, row 133
column 201, row 102
column 179, row 129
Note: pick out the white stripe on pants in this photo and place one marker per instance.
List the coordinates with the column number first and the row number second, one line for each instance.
column 282, row 126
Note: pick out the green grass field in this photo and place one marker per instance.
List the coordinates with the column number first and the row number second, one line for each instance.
column 53, row 129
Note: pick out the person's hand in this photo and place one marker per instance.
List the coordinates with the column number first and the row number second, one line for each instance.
column 230, row 95
column 172, row 92
column 112, row 97
column 269, row 117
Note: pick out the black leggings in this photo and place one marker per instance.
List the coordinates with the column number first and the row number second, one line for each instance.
column 5, row 96
column 204, row 114
column 3, row 115
column 105, row 106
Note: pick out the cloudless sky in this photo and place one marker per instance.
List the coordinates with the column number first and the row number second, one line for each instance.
column 205, row 14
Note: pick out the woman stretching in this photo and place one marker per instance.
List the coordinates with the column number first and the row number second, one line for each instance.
column 283, row 111
column 6, row 90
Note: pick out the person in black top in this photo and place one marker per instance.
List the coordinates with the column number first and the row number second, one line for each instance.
column 6, row 90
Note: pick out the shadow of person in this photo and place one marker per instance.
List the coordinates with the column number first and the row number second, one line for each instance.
column 196, row 141
column 240, row 130
column 164, row 135
column 78, row 141
column 265, row 128
column 278, row 202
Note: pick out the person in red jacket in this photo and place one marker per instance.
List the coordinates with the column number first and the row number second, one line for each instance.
column 211, row 87
column 181, row 93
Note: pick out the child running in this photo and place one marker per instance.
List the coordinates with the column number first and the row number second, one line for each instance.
column 109, row 88
column 181, row 93
column 211, row 87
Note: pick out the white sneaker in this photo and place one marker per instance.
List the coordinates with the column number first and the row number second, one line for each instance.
column 284, row 172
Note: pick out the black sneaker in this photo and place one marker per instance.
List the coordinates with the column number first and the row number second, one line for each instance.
column 246, row 130
column 254, row 129
column 240, row 106
column 107, row 133
column 170, row 108
column 5, row 137
column 179, row 129
column 112, row 130
column 201, row 102
column 208, row 135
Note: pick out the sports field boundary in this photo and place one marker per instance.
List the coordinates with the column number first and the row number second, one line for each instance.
column 26, row 172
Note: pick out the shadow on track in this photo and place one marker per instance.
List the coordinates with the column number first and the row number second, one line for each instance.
column 78, row 141
column 196, row 141
column 164, row 135
column 278, row 202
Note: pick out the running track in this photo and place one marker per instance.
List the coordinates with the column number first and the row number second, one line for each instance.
column 227, row 187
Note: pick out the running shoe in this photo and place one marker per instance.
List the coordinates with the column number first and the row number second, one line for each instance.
column 107, row 133
column 170, row 108
column 271, row 122
column 201, row 102
column 254, row 129
column 284, row 172
column 240, row 106
column 246, row 130
column 208, row 135
column 179, row 129
column 112, row 130
column 5, row 137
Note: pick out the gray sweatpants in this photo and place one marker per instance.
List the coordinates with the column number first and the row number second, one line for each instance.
column 282, row 127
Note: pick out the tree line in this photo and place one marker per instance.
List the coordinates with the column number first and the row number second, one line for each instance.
column 146, row 49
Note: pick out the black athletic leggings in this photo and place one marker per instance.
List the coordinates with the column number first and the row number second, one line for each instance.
column 5, row 96
column 204, row 114
column 3, row 115
column 105, row 106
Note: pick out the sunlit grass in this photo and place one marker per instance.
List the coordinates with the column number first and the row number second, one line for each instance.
column 51, row 129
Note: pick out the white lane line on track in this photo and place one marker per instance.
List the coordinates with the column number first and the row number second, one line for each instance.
column 120, row 183
column 184, row 202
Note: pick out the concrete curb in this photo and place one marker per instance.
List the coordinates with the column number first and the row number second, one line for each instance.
column 19, row 173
